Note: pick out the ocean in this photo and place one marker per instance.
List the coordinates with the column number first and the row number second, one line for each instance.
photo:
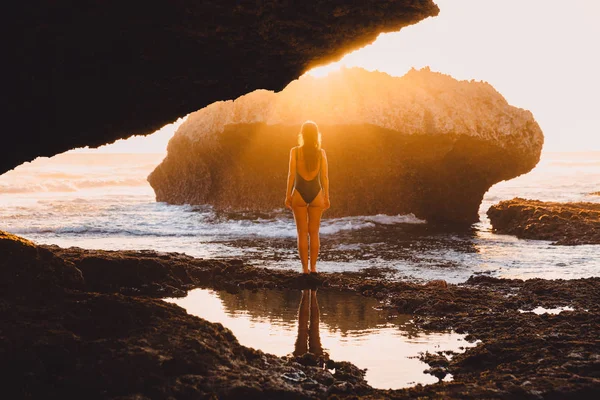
column 102, row 201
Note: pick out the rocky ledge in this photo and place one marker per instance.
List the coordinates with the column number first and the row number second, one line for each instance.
column 563, row 223
column 424, row 143
column 83, row 324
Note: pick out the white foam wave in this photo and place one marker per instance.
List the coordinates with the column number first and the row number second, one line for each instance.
column 68, row 186
column 186, row 221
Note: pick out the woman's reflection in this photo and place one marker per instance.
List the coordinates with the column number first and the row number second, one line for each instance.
column 309, row 339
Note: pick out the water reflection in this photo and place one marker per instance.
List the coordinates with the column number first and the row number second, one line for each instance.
column 309, row 338
column 344, row 313
column 340, row 325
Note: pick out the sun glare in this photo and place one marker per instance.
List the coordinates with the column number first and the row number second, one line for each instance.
column 518, row 48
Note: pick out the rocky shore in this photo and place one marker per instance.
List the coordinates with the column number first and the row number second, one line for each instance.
column 563, row 223
column 87, row 323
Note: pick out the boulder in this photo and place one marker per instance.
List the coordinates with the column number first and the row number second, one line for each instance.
column 423, row 143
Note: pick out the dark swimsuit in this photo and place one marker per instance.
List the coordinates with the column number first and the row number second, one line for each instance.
column 307, row 189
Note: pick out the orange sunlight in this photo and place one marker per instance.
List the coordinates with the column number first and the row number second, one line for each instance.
column 538, row 54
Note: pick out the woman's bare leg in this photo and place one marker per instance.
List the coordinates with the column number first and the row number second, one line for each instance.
column 301, row 217
column 314, row 337
column 301, row 345
column 315, row 210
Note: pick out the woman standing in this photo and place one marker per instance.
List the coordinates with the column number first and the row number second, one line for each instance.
column 307, row 192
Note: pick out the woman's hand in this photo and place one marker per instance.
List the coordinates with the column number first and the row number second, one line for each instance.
column 288, row 201
column 327, row 203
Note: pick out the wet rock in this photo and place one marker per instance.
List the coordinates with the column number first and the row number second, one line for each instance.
column 424, row 144
column 435, row 360
column 294, row 376
column 439, row 283
column 350, row 373
column 140, row 272
column 438, row 372
column 26, row 269
column 73, row 343
column 563, row 223
column 78, row 343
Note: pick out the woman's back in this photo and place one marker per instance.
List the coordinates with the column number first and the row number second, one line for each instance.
column 301, row 167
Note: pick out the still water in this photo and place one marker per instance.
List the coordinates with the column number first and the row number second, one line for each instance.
column 329, row 324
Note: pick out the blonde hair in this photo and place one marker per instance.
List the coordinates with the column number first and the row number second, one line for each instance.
column 309, row 140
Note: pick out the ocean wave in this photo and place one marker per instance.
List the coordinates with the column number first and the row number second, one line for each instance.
column 100, row 231
column 69, row 186
column 580, row 163
column 221, row 230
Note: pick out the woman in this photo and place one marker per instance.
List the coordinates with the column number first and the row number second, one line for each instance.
column 307, row 192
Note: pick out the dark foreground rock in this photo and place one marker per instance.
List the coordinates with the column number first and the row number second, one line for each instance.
column 105, row 70
column 563, row 223
column 100, row 341
column 27, row 269
column 59, row 340
column 424, row 143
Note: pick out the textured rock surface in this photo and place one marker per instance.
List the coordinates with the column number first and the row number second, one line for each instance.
column 424, row 143
column 102, row 70
column 30, row 270
column 80, row 344
column 60, row 340
column 563, row 223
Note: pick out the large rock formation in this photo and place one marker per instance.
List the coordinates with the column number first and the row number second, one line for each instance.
column 424, row 143
column 96, row 71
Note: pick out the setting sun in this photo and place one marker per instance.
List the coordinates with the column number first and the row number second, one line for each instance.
column 536, row 53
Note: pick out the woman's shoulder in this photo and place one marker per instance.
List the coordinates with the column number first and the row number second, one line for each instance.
column 294, row 152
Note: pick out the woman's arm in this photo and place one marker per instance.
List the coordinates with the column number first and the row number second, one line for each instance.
column 325, row 178
column 290, row 179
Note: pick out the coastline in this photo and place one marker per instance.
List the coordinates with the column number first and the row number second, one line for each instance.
column 115, row 320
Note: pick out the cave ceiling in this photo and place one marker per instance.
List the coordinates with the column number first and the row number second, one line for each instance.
column 88, row 73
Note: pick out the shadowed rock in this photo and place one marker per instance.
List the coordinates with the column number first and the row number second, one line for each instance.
column 97, row 71
column 30, row 270
column 85, row 344
column 563, row 223
column 424, row 143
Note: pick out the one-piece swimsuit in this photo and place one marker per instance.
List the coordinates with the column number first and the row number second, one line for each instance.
column 307, row 189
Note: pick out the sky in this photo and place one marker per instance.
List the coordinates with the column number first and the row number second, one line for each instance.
column 154, row 143
column 541, row 55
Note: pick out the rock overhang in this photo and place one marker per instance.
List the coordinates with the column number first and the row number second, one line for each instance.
column 101, row 71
